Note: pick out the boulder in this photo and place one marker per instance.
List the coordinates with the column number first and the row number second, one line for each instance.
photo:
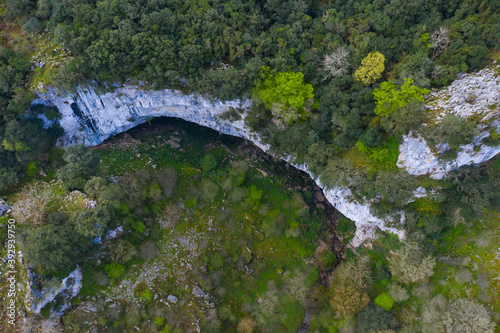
column 4, row 207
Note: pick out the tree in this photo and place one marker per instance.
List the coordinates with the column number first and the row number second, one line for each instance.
column 33, row 25
column 469, row 317
column 286, row 94
column 460, row 316
column 371, row 68
column 81, row 165
column 7, row 178
column 246, row 325
column 374, row 319
column 336, row 63
column 390, row 99
column 410, row 266
column 440, row 41
column 55, row 246
column 92, row 222
column 349, row 284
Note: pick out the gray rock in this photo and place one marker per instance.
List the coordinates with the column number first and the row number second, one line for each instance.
column 470, row 98
column 4, row 208
column 172, row 299
column 198, row 292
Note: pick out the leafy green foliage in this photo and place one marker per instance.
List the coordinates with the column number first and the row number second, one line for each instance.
column 371, row 68
column 389, row 99
column 81, row 165
column 208, row 163
column 285, row 94
column 114, row 270
column 374, row 318
column 385, row 301
column 56, row 246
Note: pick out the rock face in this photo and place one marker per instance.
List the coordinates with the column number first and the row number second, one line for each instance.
column 417, row 158
column 92, row 118
column 69, row 287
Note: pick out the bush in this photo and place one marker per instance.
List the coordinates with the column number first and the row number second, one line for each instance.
column 148, row 250
column 208, row 190
column 81, row 165
column 114, row 270
column 398, row 293
column 121, row 251
column 385, row 301
column 410, row 266
column 350, row 283
column 374, row 319
column 208, row 163
column 254, row 197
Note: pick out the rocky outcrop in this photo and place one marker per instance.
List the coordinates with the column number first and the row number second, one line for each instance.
column 66, row 290
column 475, row 94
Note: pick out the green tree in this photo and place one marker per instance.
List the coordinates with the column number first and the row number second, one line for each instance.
column 385, row 301
column 81, row 165
column 374, row 319
column 390, row 99
column 208, row 163
column 286, row 94
column 92, row 222
column 55, row 246
column 114, row 270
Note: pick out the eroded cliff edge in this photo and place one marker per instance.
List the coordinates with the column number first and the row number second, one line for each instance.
column 90, row 117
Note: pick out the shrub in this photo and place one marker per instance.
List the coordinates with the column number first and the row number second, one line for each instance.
column 409, row 266
column 167, row 179
column 349, row 285
column 191, row 202
column 208, row 163
column 385, row 301
column 398, row 293
column 208, row 190
column 121, row 251
column 148, row 250
column 114, row 270
column 238, row 172
column 81, row 165
column 254, row 197
column 374, row 319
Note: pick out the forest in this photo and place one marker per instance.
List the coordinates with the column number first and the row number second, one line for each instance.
column 334, row 84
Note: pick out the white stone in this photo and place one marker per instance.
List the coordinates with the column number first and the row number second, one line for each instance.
column 172, row 299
